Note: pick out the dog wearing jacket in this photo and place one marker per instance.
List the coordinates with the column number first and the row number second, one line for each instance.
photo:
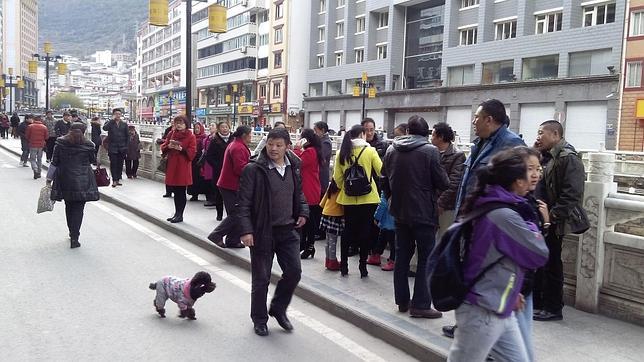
column 184, row 292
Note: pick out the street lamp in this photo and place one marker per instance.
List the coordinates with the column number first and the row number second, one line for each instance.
column 233, row 99
column 46, row 58
column 7, row 82
column 170, row 100
column 364, row 88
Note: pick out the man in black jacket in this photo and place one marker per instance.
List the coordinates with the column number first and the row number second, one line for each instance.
column 15, row 121
column 270, row 207
column 372, row 138
column 62, row 127
column 24, row 144
column 118, row 139
column 412, row 175
column 563, row 183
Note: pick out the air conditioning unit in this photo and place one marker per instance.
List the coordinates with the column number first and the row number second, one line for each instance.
column 243, row 49
column 244, row 2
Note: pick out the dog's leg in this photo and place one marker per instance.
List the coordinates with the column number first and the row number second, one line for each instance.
column 190, row 312
column 153, row 286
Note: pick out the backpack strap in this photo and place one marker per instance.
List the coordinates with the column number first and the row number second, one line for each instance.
column 360, row 154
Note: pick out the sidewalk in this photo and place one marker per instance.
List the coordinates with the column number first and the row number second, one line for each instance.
column 368, row 303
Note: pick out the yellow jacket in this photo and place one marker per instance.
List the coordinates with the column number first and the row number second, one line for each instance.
column 371, row 163
column 329, row 205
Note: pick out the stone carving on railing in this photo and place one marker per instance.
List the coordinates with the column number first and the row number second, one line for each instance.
column 588, row 242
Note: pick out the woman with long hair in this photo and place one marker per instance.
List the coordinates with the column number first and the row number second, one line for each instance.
column 358, row 210
column 309, row 150
column 180, row 148
column 199, row 185
column 505, row 242
column 218, row 141
column 72, row 176
column 236, row 157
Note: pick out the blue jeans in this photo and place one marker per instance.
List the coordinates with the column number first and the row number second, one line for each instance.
column 408, row 237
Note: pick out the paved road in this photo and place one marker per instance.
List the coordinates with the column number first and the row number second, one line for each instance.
column 92, row 303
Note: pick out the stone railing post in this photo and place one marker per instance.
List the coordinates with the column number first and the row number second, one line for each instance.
column 590, row 255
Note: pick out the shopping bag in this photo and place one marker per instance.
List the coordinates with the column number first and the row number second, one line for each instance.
column 45, row 203
column 101, row 176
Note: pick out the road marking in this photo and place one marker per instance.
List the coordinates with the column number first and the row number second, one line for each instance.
column 312, row 323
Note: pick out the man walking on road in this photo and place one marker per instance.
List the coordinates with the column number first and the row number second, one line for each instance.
column 50, row 123
column 62, row 127
column 24, row 144
column 118, row 136
column 271, row 205
column 15, row 121
column 37, row 135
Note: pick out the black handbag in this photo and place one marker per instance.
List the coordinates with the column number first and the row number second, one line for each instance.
column 163, row 164
column 578, row 220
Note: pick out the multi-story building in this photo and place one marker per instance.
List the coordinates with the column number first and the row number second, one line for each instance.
column 631, row 118
column 441, row 58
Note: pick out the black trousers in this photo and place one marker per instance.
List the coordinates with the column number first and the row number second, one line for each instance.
column 286, row 244
column 24, row 146
column 386, row 237
column 228, row 226
column 3, row 132
column 217, row 199
column 49, row 147
column 131, row 167
column 116, row 165
column 74, row 215
column 179, row 199
column 311, row 226
column 358, row 222
column 548, row 283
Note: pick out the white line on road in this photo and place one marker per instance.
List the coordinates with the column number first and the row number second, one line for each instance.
column 312, row 323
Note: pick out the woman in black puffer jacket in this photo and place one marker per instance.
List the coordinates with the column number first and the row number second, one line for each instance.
column 73, row 178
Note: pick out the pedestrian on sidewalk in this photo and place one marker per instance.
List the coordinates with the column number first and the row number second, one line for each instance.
column 73, row 178
column 50, row 123
column 326, row 149
column 118, row 138
column 215, row 159
column 133, row 153
column 332, row 223
column 160, row 141
column 62, row 126
column 37, row 136
column 504, row 243
column 412, row 176
column 236, row 157
column 199, row 185
column 24, row 144
column 180, row 148
column 309, row 150
column 95, row 123
column 387, row 236
column 15, row 121
column 271, row 206
column 5, row 125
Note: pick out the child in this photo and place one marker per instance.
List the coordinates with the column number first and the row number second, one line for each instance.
column 133, row 153
column 387, row 235
column 332, row 222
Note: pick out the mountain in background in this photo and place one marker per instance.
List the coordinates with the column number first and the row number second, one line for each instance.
column 81, row 27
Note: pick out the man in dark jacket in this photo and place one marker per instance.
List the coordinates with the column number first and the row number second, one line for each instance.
column 95, row 122
column 15, row 121
column 50, row 123
column 564, row 178
column 372, row 138
column 118, row 137
column 24, row 143
column 412, row 176
column 271, row 206
column 62, row 127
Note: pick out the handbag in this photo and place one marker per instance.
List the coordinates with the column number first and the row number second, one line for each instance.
column 578, row 220
column 101, row 176
column 163, row 164
column 45, row 203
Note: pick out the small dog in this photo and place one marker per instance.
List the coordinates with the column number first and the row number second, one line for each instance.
column 184, row 292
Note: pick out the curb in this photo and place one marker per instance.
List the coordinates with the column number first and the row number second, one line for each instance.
column 310, row 290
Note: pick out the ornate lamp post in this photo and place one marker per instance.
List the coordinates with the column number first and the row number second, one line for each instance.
column 170, row 100
column 362, row 89
column 45, row 58
column 232, row 99
column 7, row 81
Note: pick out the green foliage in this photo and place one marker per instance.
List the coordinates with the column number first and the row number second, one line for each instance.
column 66, row 100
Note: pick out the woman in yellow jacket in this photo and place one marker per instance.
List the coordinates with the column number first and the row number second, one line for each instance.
column 358, row 210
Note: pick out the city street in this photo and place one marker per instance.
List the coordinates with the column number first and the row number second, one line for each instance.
column 93, row 303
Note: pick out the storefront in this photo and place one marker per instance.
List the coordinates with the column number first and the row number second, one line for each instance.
column 219, row 114
column 169, row 104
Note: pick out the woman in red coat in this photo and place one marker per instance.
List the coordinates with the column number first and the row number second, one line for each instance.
column 180, row 148
column 308, row 148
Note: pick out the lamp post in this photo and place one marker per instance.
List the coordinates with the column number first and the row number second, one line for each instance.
column 46, row 58
column 170, row 100
column 232, row 99
column 7, row 81
column 364, row 88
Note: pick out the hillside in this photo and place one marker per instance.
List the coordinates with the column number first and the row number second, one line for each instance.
column 80, row 27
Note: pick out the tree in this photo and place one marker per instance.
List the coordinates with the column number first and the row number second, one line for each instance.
column 66, row 100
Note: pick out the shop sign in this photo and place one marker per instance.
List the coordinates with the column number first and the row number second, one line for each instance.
column 220, row 110
column 245, row 109
column 276, row 108
column 201, row 112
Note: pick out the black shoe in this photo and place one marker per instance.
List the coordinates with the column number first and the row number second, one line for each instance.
column 403, row 308
column 308, row 252
column 363, row 270
column 167, row 195
column 219, row 217
column 344, row 268
column 217, row 240
column 281, row 319
column 448, row 331
column 261, row 329
column 425, row 313
column 74, row 243
column 176, row 219
column 171, row 217
column 546, row 316
column 36, row 176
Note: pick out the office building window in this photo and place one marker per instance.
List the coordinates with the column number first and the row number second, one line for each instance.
column 321, row 34
column 548, row 23
column 497, row 72
column 468, row 3
column 277, row 59
column 262, row 90
column 468, row 36
column 279, row 10
column 506, row 30
column 460, row 75
column 278, row 35
column 360, row 24
column 599, row 14
column 383, row 20
column 322, row 6
column 277, row 89
column 541, row 67
column 338, row 58
column 634, row 74
column 637, row 23
column 589, row 63
column 423, row 45
column 339, row 29
column 381, row 51
column 320, row 60
column 359, row 53
column 341, row 3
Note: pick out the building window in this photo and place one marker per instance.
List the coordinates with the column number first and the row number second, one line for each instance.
column 468, row 36
column 468, row 3
column 637, row 23
column 633, row 74
column 262, row 90
column 548, row 23
column 338, row 58
column 278, row 35
column 339, row 29
column 541, row 67
column 383, row 20
column 279, row 10
column 277, row 90
column 599, row 14
column 341, row 3
column 497, row 72
column 359, row 55
column 321, row 34
column 506, row 30
column 460, row 75
column 322, row 6
column 360, row 24
column 263, row 39
column 262, row 63
column 320, row 60
column 381, row 51
column 277, row 59
column 589, row 63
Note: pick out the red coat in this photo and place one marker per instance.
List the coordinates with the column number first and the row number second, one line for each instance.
column 179, row 170
column 37, row 135
column 310, row 169
column 236, row 157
